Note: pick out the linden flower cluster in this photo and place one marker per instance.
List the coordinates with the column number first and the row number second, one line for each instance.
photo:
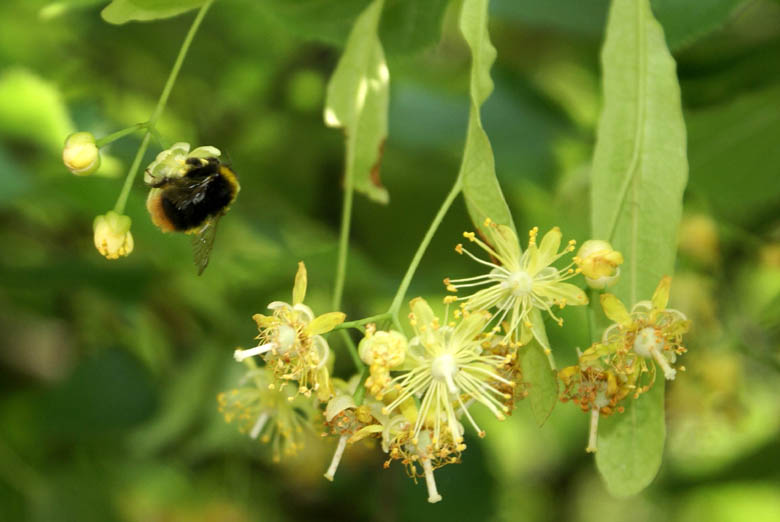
column 291, row 342
column 418, row 387
column 520, row 286
column 612, row 369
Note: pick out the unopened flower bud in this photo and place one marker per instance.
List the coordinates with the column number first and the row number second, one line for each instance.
column 80, row 154
column 112, row 235
column 599, row 263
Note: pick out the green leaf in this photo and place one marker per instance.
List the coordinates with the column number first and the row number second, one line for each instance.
column 639, row 174
column 123, row 11
column 481, row 190
column 357, row 101
column 734, row 156
column 541, row 379
column 408, row 26
column 631, row 444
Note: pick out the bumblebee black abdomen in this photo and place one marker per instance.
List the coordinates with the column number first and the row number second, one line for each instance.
column 186, row 214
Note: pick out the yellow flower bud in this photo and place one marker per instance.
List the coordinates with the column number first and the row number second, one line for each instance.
column 80, row 154
column 112, row 235
column 382, row 351
column 599, row 263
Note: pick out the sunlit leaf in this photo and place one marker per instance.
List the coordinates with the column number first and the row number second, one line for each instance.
column 481, row 190
column 541, row 379
column 357, row 101
column 123, row 11
column 639, row 174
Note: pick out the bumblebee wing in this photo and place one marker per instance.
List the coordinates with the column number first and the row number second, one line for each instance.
column 185, row 192
column 202, row 243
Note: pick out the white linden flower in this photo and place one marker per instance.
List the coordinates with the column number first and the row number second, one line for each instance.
column 520, row 286
column 449, row 369
column 291, row 342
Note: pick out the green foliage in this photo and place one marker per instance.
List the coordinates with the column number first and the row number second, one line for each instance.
column 357, row 99
column 316, row 19
column 684, row 22
column 31, row 108
column 123, row 11
column 110, row 370
column 733, row 155
column 481, row 190
column 541, row 379
column 410, row 25
column 639, row 174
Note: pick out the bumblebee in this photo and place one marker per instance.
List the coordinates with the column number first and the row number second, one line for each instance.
column 193, row 202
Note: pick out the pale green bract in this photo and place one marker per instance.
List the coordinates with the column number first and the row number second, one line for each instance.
column 357, row 101
column 481, row 190
column 639, row 175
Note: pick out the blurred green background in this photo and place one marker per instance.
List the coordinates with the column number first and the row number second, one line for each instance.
column 109, row 370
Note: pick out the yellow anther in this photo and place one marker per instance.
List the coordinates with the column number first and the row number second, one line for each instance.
column 459, row 248
column 470, row 236
column 450, row 299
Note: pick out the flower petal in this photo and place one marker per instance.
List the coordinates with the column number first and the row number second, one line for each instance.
column 205, row 151
column 565, row 293
column 615, row 309
column 506, row 244
column 299, row 288
column 661, row 294
column 338, row 404
column 264, row 321
column 423, row 313
column 364, row 432
column 325, row 323
column 548, row 248
column 470, row 327
column 537, row 327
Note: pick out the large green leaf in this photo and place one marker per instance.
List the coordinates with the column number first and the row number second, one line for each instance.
column 357, row 100
column 123, row 11
column 639, row 174
column 481, row 190
column 541, row 379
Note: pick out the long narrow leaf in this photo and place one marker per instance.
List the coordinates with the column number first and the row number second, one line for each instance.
column 639, row 175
